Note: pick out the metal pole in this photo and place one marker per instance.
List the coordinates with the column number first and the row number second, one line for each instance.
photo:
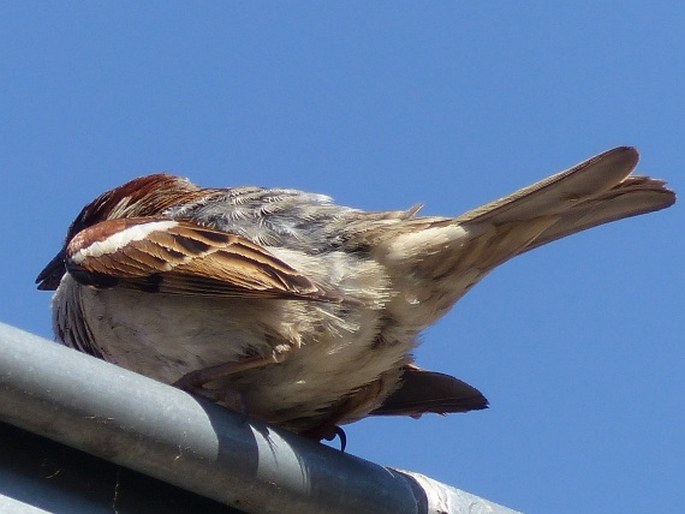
column 168, row 434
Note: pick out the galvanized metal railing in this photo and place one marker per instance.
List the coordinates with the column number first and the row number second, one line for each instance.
column 193, row 444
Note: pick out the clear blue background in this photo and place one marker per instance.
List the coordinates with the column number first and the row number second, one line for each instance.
column 579, row 345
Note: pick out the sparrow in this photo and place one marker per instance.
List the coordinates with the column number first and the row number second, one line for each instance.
column 302, row 313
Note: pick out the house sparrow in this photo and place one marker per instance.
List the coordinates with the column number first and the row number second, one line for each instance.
column 293, row 309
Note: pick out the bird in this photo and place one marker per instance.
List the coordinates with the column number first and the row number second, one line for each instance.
column 282, row 305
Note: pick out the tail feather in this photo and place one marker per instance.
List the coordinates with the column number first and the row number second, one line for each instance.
column 437, row 260
column 596, row 191
column 634, row 196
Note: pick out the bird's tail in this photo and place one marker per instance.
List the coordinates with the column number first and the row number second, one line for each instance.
column 596, row 191
column 436, row 260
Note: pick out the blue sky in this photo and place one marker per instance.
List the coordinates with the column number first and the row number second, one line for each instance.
column 578, row 345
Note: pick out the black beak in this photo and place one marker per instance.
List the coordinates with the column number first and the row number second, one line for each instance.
column 52, row 274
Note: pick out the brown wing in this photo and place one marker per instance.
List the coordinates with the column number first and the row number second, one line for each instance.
column 422, row 391
column 180, row 257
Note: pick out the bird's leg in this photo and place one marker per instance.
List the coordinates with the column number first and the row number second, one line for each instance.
column 328, row 432
column 330, row 429
column 195, row 381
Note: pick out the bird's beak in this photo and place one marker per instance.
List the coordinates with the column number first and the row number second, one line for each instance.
column 52, row 274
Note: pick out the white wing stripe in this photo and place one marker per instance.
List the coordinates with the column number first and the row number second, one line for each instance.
column 120, row 239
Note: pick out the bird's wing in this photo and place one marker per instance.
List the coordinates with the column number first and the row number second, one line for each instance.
column 183, row 258
column 422, row 391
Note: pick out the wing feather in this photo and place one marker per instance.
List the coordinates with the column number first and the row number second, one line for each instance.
column 181, row 257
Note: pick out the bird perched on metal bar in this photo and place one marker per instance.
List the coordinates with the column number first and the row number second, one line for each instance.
column 300, row 312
